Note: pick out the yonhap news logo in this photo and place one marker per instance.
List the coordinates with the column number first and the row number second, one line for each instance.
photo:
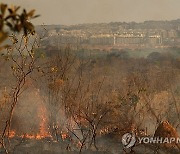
column 129, row 140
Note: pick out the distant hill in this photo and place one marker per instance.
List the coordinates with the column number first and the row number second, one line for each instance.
column 173, row 24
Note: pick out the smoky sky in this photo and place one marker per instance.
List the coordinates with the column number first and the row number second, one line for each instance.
column 99, row 11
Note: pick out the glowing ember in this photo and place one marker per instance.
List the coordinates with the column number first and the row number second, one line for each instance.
column 12, row 133
column 64, row 136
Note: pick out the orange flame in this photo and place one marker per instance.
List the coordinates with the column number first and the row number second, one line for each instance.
column 43, row 129
column 43, row 124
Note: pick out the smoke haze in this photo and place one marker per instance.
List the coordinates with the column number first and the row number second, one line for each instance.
column 96, row 11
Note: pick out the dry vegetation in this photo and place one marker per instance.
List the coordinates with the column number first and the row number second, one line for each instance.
column 81, row 103
column 74, row 103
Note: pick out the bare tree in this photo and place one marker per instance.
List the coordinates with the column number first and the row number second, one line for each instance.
column 22, row 58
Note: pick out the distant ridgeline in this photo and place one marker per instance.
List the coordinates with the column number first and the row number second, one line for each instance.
column 151, row 34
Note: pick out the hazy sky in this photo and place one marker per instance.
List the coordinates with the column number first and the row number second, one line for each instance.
column 92, row 11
